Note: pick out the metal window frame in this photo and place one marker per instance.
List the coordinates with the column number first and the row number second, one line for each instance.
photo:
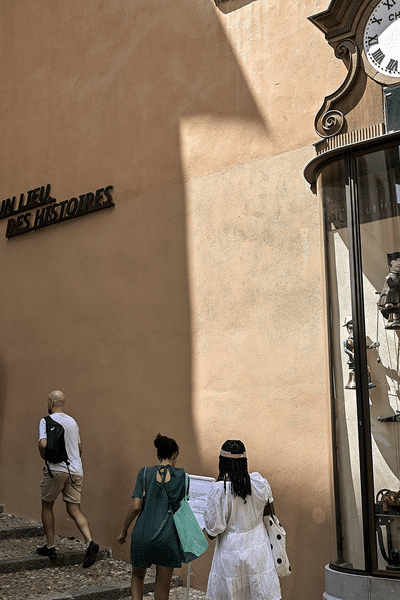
column 360, row 354
column 350, row 156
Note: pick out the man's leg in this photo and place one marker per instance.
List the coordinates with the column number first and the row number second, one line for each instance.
column 50, row 488
column 74, row 511
column 48, row 521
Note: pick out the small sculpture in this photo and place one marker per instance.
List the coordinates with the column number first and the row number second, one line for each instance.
column 389, row 299
column 349, row 350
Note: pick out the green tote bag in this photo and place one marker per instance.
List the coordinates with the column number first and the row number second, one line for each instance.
column 191, row 537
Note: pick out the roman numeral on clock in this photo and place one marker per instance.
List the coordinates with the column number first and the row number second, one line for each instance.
column 378, row 56
column 375, row 20
column 372, row 40
column 393, row 65
column 389, row 3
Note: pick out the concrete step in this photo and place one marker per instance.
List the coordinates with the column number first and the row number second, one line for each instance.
column 100, row 593
column 120, row 592
column 31, row 563
column 178, row 593
column 19, row 554
column 24, row 575
column 21, row 532
column 80, row 584
column 12, row 527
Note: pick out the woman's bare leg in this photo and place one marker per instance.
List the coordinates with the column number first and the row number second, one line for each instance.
column 163, row 582
column 137, row 585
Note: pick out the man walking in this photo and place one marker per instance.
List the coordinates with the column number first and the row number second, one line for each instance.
column 64, row 478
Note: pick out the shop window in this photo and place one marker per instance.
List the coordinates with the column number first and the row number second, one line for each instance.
column 392, row 108
column 360, row 193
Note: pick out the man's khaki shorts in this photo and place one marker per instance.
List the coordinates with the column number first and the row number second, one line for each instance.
column 50, row 487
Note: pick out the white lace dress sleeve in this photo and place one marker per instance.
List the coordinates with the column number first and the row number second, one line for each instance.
column 262, row 485
column 216, row 512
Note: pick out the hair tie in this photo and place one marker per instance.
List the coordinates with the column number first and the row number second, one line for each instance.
column 226, row 454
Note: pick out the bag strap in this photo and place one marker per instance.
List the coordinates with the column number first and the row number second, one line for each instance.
column 268, row 510
column 144, row 485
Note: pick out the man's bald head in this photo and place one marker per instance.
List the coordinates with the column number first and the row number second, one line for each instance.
column 56, row 400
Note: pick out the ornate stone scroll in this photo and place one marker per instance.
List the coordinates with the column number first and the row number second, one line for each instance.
column 329, row 120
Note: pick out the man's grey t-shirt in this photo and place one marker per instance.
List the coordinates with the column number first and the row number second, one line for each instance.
column 72, row 441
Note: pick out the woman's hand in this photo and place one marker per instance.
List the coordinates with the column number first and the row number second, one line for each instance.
column 121, row 539
column 132, row 513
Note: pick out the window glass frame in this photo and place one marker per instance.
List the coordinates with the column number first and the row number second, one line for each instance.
column 351, row 189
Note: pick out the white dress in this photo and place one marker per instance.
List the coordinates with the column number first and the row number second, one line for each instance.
column 242, row 567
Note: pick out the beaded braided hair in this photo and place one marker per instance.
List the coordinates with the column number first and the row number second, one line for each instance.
column 235, row 469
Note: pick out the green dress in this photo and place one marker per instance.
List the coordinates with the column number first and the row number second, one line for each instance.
column 154, row 538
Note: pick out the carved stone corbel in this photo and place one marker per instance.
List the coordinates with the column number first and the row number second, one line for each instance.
column 330, row 121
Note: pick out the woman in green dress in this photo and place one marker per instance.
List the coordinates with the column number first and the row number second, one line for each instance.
column 154, row 537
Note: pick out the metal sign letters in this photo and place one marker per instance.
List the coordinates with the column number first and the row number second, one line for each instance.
column 37, row 208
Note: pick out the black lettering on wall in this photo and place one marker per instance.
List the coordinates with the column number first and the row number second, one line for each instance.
column 52, row 212
column 108, row 195
column 36, row 197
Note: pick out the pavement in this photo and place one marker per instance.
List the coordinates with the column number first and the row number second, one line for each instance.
column 26, row 576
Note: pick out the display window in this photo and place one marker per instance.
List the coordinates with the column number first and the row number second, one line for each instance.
column 360, row 194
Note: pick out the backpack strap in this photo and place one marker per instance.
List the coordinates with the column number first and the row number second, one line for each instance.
column 48, row 420
column 48, row 468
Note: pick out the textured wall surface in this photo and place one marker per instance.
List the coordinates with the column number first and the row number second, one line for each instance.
column 194, row 307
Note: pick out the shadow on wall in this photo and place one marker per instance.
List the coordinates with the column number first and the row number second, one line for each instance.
column 227, row 6
column 105, row 299
column 197, row 74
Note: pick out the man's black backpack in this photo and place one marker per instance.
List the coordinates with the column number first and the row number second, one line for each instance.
column 55, row 451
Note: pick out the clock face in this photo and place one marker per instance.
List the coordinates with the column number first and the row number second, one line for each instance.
column 382, row 38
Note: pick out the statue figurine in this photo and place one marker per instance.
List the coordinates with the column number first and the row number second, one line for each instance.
column 349, row 350
column 389, row 299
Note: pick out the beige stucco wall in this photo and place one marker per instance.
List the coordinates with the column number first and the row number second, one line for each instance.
column 194, row 307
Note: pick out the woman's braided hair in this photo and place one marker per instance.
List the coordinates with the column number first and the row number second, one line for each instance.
column 235, row 470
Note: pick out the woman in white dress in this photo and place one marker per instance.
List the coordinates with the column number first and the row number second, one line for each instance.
column 242, row 567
